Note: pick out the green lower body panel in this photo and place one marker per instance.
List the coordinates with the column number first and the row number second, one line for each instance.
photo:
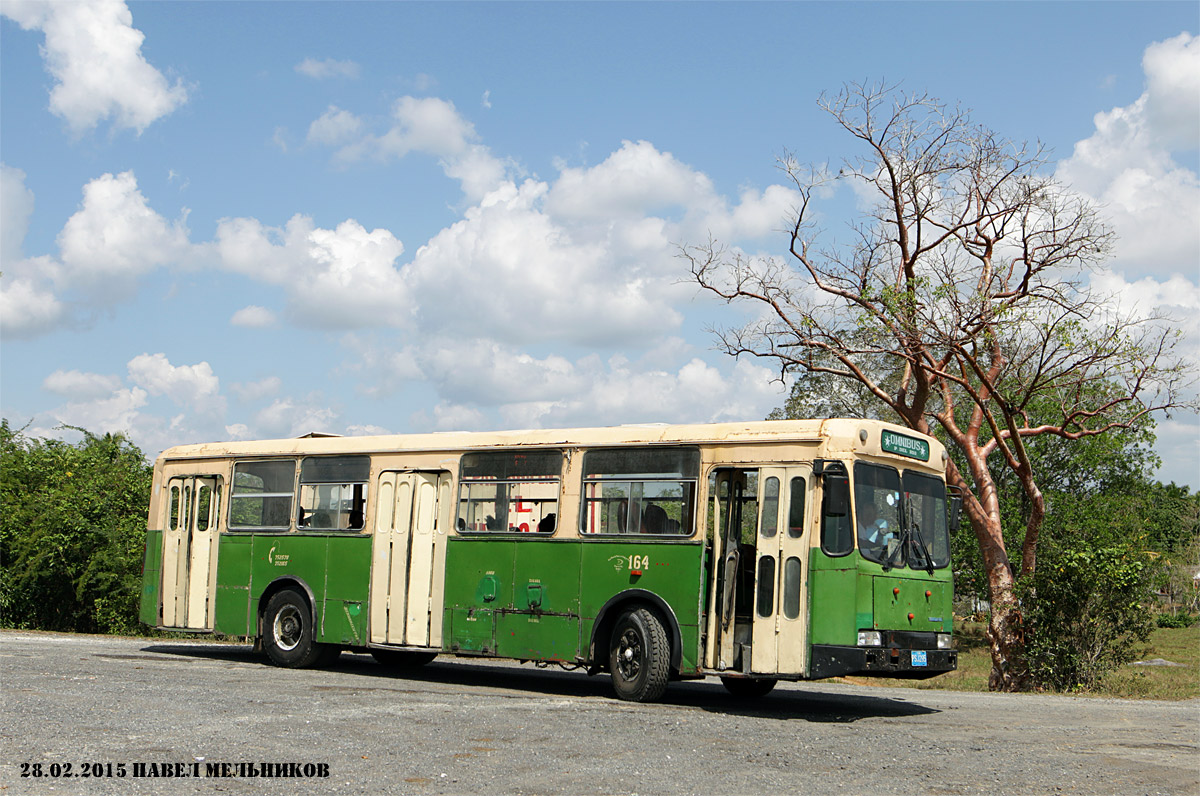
column 471, row 631
column 533, row 598
column 531, row 636
column 343, row 622
column 231, row 614
column 151, row 577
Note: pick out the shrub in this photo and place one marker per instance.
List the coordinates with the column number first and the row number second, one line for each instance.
column 1179, row 620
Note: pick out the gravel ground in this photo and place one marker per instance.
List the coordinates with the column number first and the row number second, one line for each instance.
column 87, row 704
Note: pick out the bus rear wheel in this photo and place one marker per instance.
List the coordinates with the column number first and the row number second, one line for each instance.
column 639, row 656
column 288, row 632
column 748, row 687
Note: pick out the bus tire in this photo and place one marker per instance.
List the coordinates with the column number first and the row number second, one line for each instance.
column 402, row 659
column 288, row 632
column 639, row 656
column 748, row 687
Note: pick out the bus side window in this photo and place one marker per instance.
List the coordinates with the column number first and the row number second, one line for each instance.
column 509, row 492
column 837, row 532
column 640, row 491
column 333, row 492
column 262, row 494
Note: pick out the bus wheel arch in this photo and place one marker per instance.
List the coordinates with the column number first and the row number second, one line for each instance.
column 616, row 607
column 287, row 625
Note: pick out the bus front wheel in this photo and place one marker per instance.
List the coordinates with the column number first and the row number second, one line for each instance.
column 639, row 656
column 288, row 632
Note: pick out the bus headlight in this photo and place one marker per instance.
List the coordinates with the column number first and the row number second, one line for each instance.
column 945, row 641
column 870, row 638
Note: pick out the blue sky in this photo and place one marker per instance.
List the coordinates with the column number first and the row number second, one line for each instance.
column 240, row 220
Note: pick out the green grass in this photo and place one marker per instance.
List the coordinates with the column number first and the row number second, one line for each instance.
column 1177, row 645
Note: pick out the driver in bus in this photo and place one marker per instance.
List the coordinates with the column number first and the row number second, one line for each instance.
column 873, row 532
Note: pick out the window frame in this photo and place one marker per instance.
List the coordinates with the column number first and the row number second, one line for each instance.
column 687, row 476
column 507, row 480
column 901, row 560
column 234, row 496
column 319, row 479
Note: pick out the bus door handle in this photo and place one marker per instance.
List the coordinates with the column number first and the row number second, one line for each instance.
column 533, row 592
column 731, row 574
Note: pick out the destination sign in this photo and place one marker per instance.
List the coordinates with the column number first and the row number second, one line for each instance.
column 913, row 448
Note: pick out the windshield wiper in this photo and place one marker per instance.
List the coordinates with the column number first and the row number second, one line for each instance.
column 914, row 529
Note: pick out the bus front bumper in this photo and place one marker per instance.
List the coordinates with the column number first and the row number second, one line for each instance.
column 833, row 661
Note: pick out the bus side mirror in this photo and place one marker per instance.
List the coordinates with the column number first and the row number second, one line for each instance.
column 836, row 502
column 956, row 502
column 837, row 495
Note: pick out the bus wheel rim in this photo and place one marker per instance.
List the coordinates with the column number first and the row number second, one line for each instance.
column 289, row 626
column 629, row 654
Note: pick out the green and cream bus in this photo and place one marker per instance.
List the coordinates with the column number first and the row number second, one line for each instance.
column 755, row 552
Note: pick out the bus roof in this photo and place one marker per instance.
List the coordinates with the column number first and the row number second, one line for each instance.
column 762, row 431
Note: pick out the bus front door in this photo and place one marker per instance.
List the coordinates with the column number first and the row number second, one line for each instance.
column 761, row 581
column 779, row 635
column 734, row 506
column 189, row 551
column 408, row 552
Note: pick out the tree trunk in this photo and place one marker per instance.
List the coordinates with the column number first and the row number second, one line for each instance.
column 1005, row 633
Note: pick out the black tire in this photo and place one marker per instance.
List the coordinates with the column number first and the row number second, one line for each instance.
column 639, row 657
column 288, row 632
column 748, row 687
column 402, row 659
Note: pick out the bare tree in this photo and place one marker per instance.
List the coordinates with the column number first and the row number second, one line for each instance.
column 961, row 301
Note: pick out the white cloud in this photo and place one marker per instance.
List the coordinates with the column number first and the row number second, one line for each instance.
column 115, row 237
column 192, row 386
column 634, row 180
column 327, row 67
column 28, row 306
column 95, row 54
column 253, row 317
column 334, row 127
column 104, row 248
column 340, row 278
column 487, row 384
column 425, row 125
column 286, row 417
column 118, row 412
column 16, row 207
column 1128, row 168
column 258, row 390
column 74, row 385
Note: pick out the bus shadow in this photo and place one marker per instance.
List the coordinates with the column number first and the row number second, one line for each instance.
column 819, row 703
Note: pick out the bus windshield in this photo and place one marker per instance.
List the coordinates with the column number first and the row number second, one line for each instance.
column 900, row 522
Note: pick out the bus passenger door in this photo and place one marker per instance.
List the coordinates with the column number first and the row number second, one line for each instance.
column 779, row 626
column 408, row 552
column 189, row 551
column 734, row 501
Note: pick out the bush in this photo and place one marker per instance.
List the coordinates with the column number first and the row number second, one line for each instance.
column 1086, row 605
column 1179, row 620
column 72, row 532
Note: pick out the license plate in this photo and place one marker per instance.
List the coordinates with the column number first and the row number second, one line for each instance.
column 918, row 658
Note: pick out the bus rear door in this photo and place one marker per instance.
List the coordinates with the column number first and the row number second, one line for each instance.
column 190, row 552
column 407, row 558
